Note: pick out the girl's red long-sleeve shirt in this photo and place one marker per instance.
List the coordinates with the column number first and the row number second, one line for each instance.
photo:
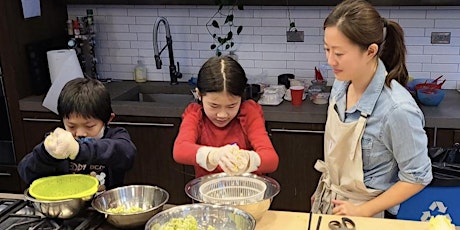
column 247, row 130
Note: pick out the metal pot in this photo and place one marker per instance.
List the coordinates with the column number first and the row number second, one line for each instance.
column 62, row 209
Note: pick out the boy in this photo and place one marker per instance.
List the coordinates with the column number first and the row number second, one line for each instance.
column 87, row 145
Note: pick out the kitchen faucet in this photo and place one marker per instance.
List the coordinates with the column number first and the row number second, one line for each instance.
column 173, row 72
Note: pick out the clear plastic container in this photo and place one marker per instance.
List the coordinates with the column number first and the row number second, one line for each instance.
column 140, row 72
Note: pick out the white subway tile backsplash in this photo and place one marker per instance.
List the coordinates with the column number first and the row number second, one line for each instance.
column 453, row 59
column 141, row 28
column 109, row 43
column 121, row 10
column 416, row 23
column 275, row 22
column 141, row 44
column 271, row 14
column 118, row 20
column 443, row 14
column 117, row 60
column 413, row 14
column 418, row 58
column 278, row 56
column 270, row 47
column 414, row 32
column 276, row 40
column 445, row 23
column 124, row 34
column 112, row 28
column 144, row 11
column 122, row 68
column 441, row 49
column 442, row 68
column 412, row 50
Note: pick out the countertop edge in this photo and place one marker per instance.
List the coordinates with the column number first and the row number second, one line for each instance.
column 446, row 115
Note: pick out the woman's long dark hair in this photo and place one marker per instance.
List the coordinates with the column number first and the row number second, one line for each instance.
column 360, row 22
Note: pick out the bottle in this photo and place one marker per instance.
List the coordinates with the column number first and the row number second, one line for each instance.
column 76, row 28
column 90, row 20
column 140, row 72
column 69, row 27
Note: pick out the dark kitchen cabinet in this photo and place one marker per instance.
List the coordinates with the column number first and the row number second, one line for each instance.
column 9, row 179
column 446, row 137
column 154, row 138
column 298, row 146
column 36, row 125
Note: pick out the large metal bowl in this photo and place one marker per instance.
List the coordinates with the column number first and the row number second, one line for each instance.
column 149, row 198
column 219, row 217
column 62, row 209
column 256, row 209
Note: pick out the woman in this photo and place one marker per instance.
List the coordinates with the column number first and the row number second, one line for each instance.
column 375, row 145
column 224, row 132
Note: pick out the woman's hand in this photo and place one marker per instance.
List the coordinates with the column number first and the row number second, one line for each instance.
column 346, row 208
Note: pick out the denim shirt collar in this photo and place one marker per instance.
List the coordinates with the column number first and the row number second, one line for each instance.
column 370, row 96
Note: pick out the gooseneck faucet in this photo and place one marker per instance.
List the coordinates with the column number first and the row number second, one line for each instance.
column 173, row 72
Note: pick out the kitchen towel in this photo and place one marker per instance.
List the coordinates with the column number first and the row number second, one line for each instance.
column 63, row 66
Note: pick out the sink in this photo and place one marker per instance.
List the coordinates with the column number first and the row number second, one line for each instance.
column 159, row 93
column 154, row 97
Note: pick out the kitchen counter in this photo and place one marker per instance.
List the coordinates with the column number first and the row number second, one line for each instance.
column 275, row 220
column 446, row 115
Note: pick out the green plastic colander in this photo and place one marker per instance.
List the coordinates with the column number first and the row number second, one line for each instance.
column 63, row 187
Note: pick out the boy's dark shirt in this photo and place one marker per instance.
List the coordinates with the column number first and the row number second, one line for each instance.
column 109, row 157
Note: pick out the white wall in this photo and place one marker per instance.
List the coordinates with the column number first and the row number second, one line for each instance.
column 124, row 33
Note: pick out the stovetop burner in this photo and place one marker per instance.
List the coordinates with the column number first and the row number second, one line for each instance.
column 20, row 214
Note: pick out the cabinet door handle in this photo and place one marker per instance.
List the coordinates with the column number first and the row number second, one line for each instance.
column 5, row 174
column 296, row 131
column 41, row 119
column 142, row 124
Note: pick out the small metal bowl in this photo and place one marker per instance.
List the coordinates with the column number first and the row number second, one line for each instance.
column 62, row 209
column 207, row 215
column 149, row 198
column 256, row 209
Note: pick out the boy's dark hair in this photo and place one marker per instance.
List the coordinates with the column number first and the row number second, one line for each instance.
column 85, row 97
column 220, row 74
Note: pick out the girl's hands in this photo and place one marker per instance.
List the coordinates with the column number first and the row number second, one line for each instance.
column 235, row 162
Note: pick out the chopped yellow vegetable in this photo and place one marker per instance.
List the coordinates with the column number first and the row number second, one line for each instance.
column 239, row 160
column 187, row 223
column 123, row 210
column 441, row 222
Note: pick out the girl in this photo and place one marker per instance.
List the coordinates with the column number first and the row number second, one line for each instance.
column 223, row 132
column 375, row 145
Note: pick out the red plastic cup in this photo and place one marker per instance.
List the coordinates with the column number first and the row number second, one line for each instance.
column 296, row 95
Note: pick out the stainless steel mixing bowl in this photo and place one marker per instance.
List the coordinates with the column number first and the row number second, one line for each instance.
column 62, row 209
column 149, row 198
column 219, row 217
column 256, row 209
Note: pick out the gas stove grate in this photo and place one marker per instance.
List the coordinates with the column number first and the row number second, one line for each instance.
column 19, row 215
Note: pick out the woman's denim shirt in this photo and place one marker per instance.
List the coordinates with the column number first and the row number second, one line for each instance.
column 394, row 142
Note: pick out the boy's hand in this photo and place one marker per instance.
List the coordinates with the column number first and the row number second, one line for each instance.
column 60, row 144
